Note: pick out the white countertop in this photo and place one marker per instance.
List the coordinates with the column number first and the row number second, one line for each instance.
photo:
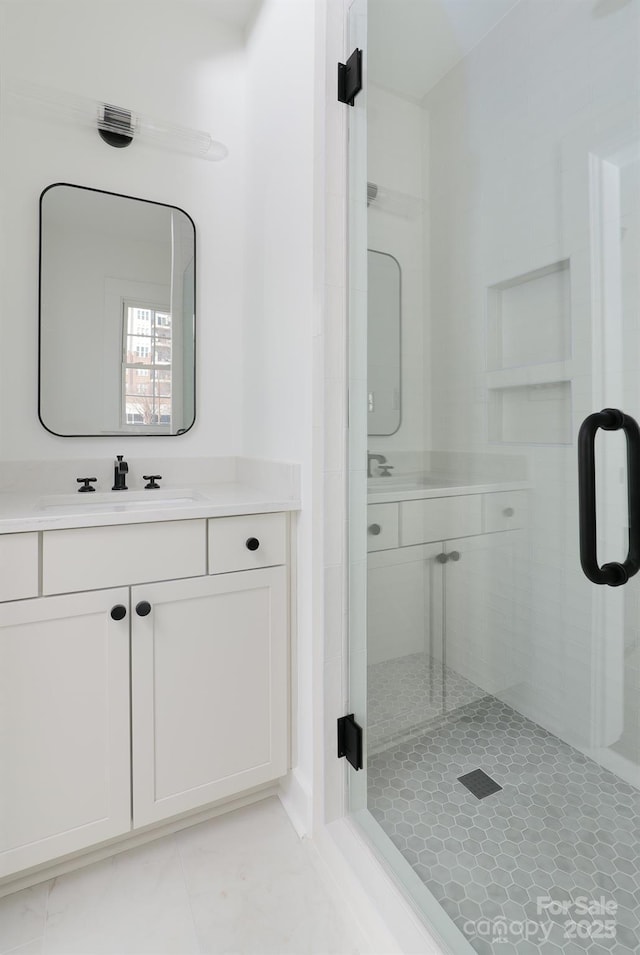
column 379, row 494
column 21, row 512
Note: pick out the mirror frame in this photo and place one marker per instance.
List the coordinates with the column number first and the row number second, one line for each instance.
column 123, row 434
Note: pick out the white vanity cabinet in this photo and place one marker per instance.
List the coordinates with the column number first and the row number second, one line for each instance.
column 209, row 688
column 443, row 582
column 178, row 699
column 64, row 726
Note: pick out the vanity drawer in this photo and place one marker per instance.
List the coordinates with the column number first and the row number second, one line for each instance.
column 504, row 511
column 18, row 566
column 382, row 526
column 246, row 542
column 88, row 558
column 440, row 518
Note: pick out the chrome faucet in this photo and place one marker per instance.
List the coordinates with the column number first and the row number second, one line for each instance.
column 120, row 471
column 380, row 458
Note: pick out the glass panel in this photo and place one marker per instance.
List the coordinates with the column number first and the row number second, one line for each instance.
column 496, row 151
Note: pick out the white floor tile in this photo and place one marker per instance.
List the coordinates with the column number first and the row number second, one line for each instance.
column 241, row 883
column 31, row 948
column 135, row 902
column 254, row 888
column 22, row 917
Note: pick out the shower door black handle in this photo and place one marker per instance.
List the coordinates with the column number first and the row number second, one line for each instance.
column 613, row 574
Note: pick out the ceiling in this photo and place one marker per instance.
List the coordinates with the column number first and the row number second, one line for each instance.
column 413, row 43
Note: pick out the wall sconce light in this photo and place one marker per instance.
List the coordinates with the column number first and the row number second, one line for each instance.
column 395, row 203
column 116, row 125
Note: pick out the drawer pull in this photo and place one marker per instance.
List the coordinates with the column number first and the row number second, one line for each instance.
column 119, row 612
column 508, row 512
column 442, row 558
column 253, row 543
column 454, row 555
column 143, row 609
column 374, row 529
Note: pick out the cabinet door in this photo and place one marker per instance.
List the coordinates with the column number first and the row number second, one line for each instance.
column 209, row 685
column 483, row 631
column 404, row 641
column 404, row 603
column 64, row 726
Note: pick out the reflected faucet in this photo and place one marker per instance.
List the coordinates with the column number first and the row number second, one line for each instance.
column 380, row 458
column 120, row 471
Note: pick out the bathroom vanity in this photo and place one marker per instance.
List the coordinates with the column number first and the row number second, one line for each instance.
column 438, row 547
column 144, row 661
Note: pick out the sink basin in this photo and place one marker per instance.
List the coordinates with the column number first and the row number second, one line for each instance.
column 118, row 500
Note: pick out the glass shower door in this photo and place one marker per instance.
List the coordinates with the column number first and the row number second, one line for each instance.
column 495, row 158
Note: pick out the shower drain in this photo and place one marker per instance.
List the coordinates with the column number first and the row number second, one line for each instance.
column 478, row 783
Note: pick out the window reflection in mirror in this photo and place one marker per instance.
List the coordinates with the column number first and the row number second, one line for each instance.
column 117, row 314
column 146, row 365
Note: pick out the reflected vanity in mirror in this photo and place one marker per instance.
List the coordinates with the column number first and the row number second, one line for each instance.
column 383, row 343
column 117, row 314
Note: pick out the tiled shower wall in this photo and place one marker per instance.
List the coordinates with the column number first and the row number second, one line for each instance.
column 522, row 132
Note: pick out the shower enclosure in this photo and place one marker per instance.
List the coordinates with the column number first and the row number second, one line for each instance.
column 494, row 306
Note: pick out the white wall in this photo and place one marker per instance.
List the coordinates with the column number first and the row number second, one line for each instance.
column 281, row 302
column 168, row 59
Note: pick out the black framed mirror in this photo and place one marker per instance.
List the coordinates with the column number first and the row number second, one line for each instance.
column 116, row 314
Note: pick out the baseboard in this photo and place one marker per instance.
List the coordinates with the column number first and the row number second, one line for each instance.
column 295, row 796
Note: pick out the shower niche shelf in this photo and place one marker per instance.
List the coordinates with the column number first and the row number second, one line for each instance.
column 529, row 318
column 537, row 413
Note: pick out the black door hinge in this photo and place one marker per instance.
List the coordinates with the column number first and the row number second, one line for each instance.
column 350, row 740
column 350, row 78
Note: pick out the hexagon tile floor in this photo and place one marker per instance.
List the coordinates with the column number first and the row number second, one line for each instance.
column 562, row 829
column 405, row 694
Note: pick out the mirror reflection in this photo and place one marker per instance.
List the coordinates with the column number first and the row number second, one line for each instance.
column 117, row 314
column 383, row 343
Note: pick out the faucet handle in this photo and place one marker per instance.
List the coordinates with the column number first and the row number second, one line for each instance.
column 86, row 484
column 385, row 470
column 152, row 479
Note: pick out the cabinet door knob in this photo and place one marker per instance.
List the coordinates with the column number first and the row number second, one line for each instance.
column 143, row 609
column 119, row 612
column 374, row 529
column 508, row 512
column 442, row 558
column 454, row 555
column 253, row 543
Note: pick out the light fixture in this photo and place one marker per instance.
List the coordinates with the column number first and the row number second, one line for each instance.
column 393, row 202
column 114, row 126
column 118, row 126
